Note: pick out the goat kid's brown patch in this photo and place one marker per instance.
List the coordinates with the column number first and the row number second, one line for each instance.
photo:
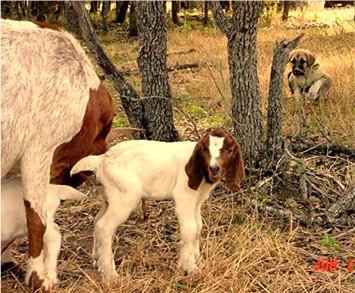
column 36, row 230
column 232, row 158
column 196, row 167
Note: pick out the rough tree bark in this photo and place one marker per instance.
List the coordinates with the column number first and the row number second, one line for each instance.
column 152, row 62
column 241, row 33
column 274, row 139
column 129, row 97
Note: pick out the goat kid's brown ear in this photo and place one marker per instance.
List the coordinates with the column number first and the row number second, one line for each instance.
column 194, row 167
column 235, row 170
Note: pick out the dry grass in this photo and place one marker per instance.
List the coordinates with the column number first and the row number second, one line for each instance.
column 243, row 249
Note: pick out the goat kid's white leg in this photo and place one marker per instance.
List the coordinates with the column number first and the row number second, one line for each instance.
column 185, row 210
column 198, row 220
column 35, row 190
column 105, row 227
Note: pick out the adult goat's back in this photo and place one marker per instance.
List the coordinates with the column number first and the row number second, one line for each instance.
column 46, row 84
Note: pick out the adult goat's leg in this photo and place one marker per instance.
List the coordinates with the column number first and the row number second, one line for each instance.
column 35, row 166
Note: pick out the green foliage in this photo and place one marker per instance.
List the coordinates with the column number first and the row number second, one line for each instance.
column 198, row 112
column 238, row 219
column 330, row 243
column 118, row 122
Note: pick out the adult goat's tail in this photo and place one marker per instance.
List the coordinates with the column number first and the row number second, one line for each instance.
column 90, row 163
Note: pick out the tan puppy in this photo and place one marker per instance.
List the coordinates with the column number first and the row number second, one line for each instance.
column 306, row 78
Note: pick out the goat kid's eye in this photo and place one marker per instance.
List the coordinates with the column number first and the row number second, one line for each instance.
column 230, row 152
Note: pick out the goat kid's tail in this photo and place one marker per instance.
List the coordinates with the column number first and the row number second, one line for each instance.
column 90, row 163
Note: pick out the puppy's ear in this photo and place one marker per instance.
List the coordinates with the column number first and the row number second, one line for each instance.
column 235, row 172
column 310, row 58
column 194, row 167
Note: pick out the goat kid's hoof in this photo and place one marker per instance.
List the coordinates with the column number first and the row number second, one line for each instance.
column 43, row 285
column 193, row 270
column 110, row 277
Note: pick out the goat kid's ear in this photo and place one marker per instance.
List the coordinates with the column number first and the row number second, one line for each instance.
column 194, row 167
column 235, row 170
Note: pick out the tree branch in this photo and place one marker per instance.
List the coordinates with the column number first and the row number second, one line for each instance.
column 274, row 142
column 221, row 19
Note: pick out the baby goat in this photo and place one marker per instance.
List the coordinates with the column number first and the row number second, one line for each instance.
column 13, row 219
column 185, row 171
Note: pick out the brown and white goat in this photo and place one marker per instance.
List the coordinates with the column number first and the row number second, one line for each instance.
column 141, row 169
column 49, row 91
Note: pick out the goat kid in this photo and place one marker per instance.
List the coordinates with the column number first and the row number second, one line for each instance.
column 183, row 171
column 46, row 84
column 13, row 219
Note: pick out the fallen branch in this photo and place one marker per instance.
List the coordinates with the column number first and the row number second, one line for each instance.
column 171, row 68
column 324, row 148
column 182, row 52
column 345, row 204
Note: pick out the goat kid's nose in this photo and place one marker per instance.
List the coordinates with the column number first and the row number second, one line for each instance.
column 214, row 169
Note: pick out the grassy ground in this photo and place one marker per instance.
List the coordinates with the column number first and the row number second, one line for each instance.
column 243, row 249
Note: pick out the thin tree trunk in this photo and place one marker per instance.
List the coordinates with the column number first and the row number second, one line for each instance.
column 174, row 12
column 205, row 18
column 94, row 5
column 152, row 62
column 105, row 11
column 121, row 10
column 274, row 139
column 241, row 33
column 286, row 9
column 132, row 30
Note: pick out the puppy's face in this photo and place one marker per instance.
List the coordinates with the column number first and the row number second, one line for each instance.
column 301, row 61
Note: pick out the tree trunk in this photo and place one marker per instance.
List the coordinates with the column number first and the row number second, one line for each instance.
column 105, row 11
column 94, row 5
column 152, row 62
column 132, row 30
column 205, row 18
column 241, row 33
column 274, row 139
column 285, row 10
column 174, row 12
column 121, row 10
